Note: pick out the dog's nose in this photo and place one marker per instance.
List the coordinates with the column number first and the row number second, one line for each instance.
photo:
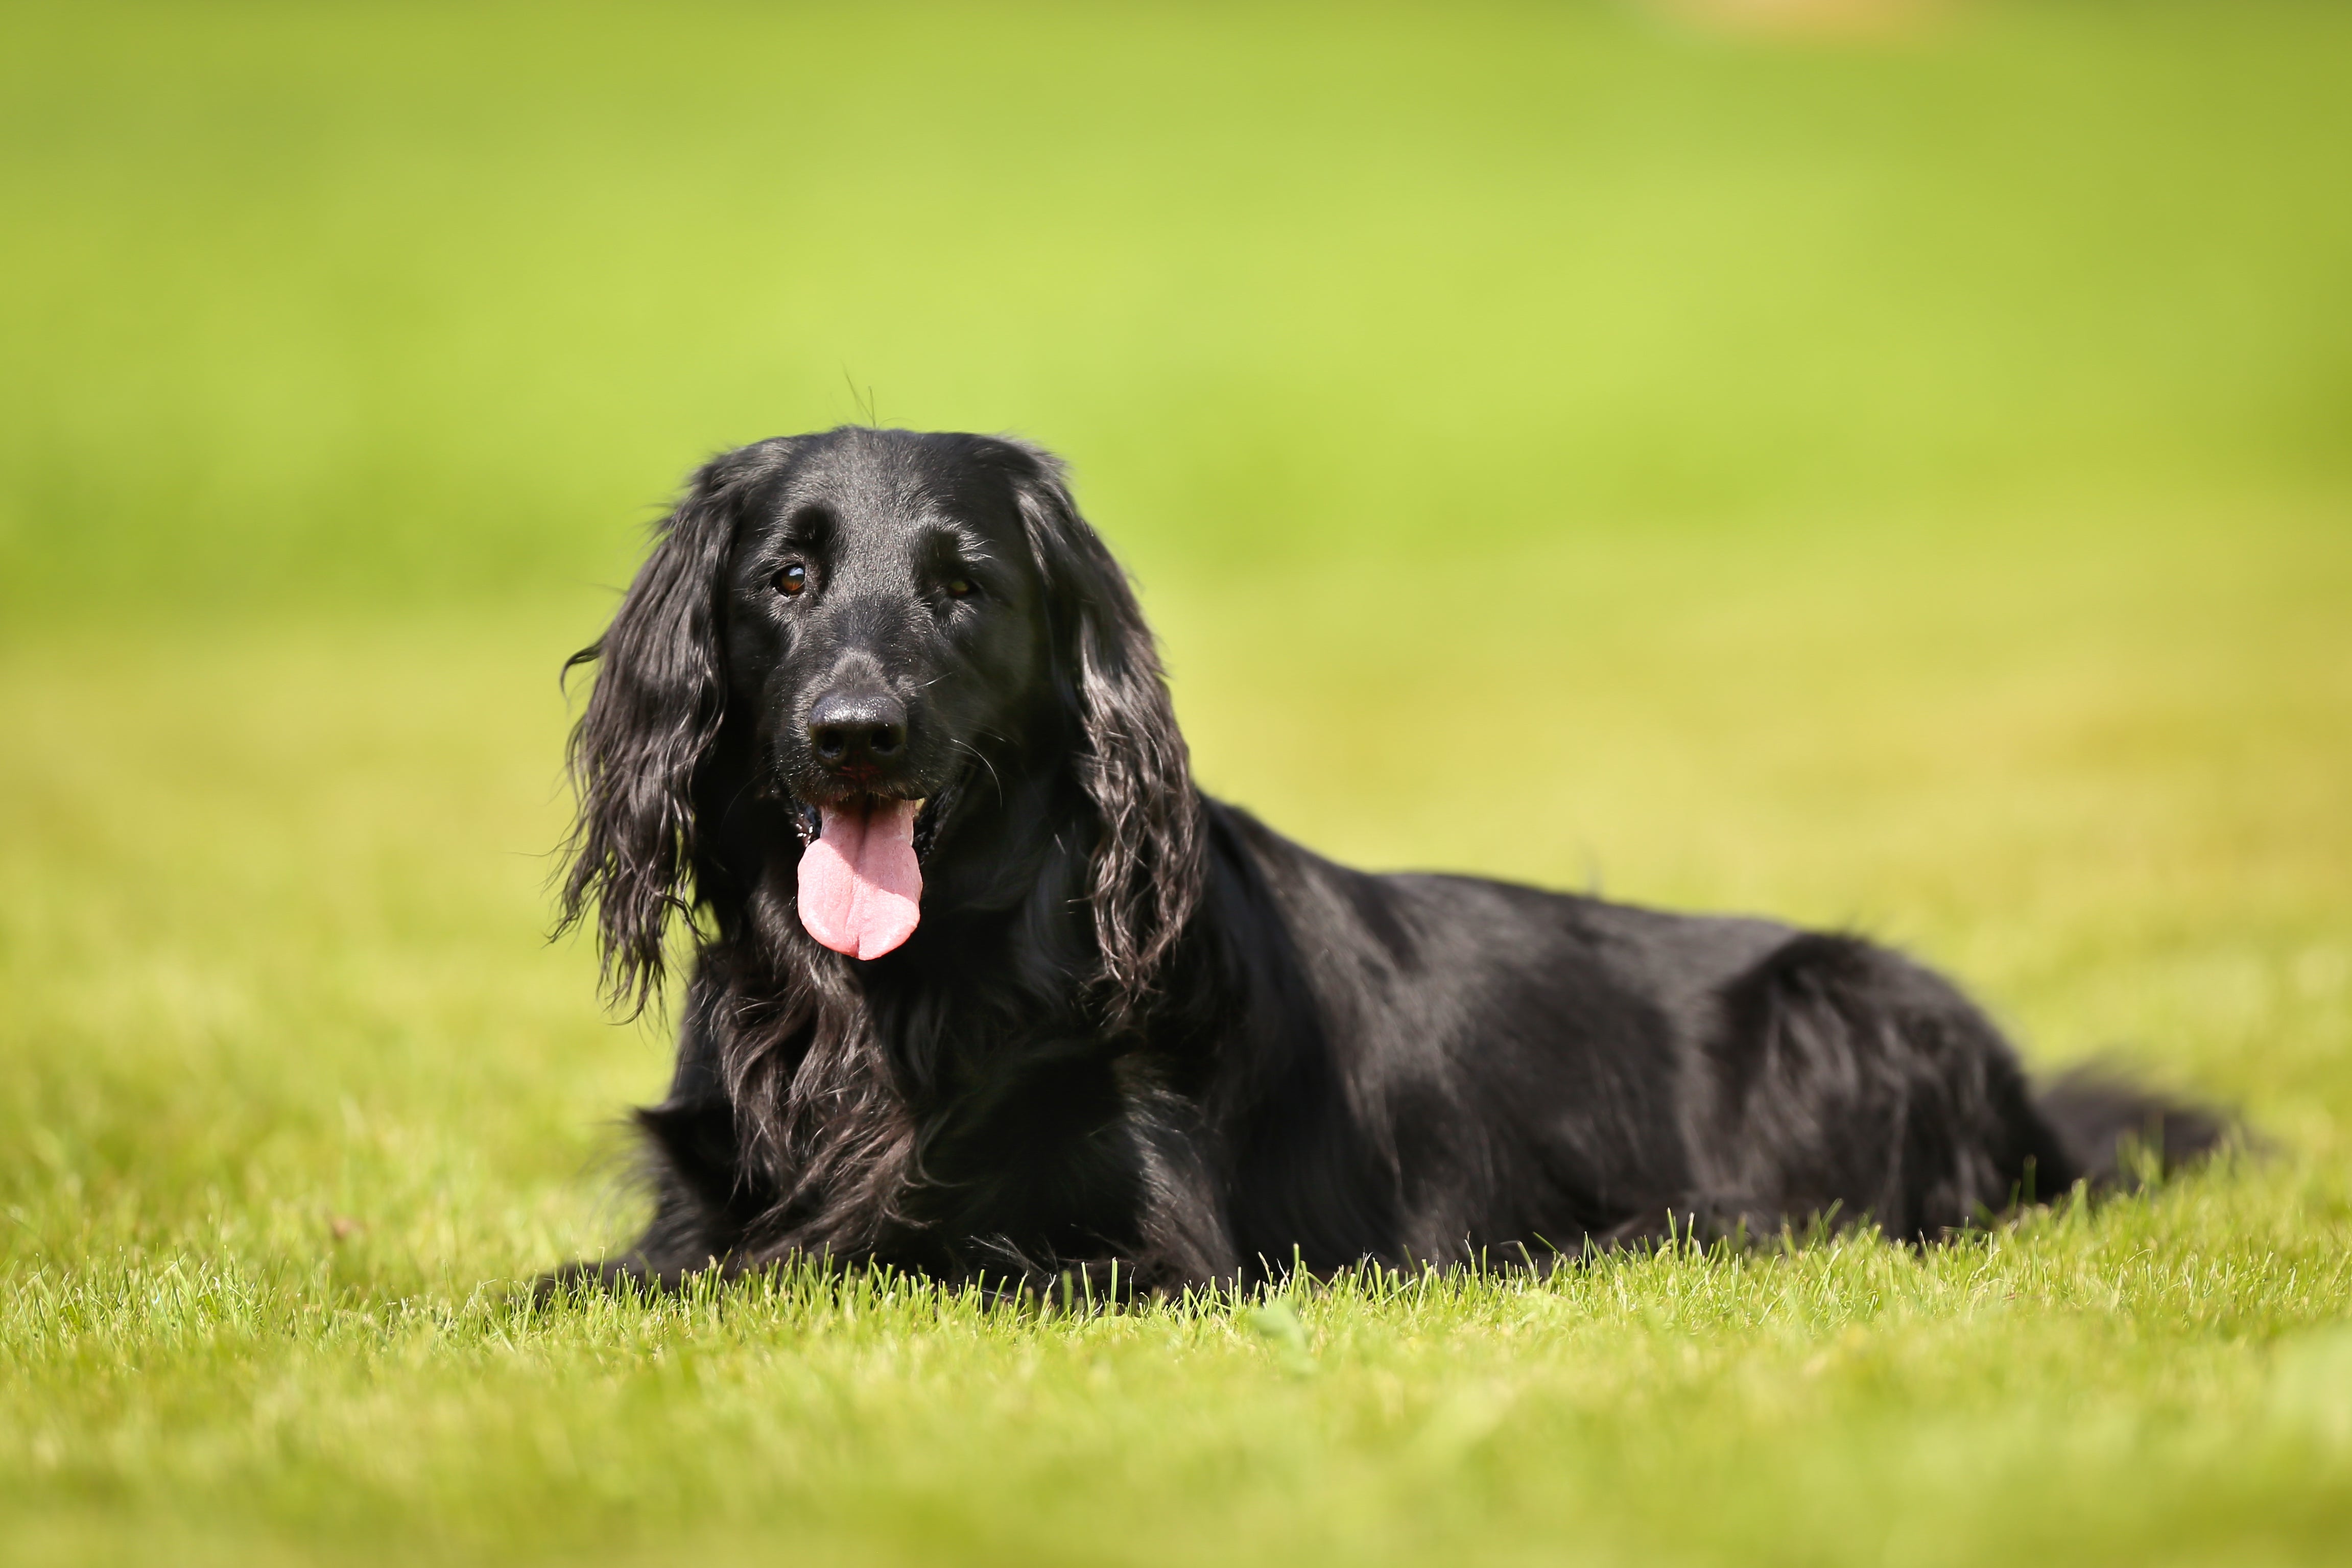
column 849, row 727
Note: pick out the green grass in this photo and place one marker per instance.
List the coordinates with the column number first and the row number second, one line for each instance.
column 1899, row 482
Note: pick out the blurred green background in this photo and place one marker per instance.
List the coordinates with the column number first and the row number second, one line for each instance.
column 398, row 303
column 1886, row 464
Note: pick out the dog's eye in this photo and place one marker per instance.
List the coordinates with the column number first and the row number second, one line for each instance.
column 792, row 580
column 960, row 588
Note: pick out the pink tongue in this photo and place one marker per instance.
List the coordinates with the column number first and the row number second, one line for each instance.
column 860, row 886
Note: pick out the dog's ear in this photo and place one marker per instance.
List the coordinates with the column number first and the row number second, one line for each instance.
column 1150, row 860
column 650, row 723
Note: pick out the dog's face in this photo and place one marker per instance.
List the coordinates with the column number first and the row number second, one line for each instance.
column 885, row 620
column 886, row 635
column 855, row 626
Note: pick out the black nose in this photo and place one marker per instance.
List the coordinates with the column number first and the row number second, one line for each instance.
column 849, row 727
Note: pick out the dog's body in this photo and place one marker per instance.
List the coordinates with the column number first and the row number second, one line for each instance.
column 1101, row 1020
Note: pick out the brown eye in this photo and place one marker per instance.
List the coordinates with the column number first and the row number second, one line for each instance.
column 792, row 580
column 959, row 587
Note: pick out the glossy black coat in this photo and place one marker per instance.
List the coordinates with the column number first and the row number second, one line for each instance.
column 1137, row 1025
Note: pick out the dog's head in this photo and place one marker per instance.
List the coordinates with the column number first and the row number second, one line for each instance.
column 867, row 627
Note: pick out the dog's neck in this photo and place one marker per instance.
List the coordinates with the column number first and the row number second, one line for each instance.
column 839, row 1070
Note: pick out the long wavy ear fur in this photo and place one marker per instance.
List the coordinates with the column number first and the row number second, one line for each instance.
column 1150, row 862
column 650, row 723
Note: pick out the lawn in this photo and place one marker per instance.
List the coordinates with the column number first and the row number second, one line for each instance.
column 1897, row 475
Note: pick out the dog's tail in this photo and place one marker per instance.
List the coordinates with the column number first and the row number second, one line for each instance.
column 2117, row 1132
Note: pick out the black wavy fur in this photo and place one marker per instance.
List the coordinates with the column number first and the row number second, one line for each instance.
column 1135, row 1026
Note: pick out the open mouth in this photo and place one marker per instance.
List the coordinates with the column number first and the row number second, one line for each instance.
column 861, row 873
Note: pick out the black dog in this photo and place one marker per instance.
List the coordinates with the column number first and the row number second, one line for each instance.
column 983, row 986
